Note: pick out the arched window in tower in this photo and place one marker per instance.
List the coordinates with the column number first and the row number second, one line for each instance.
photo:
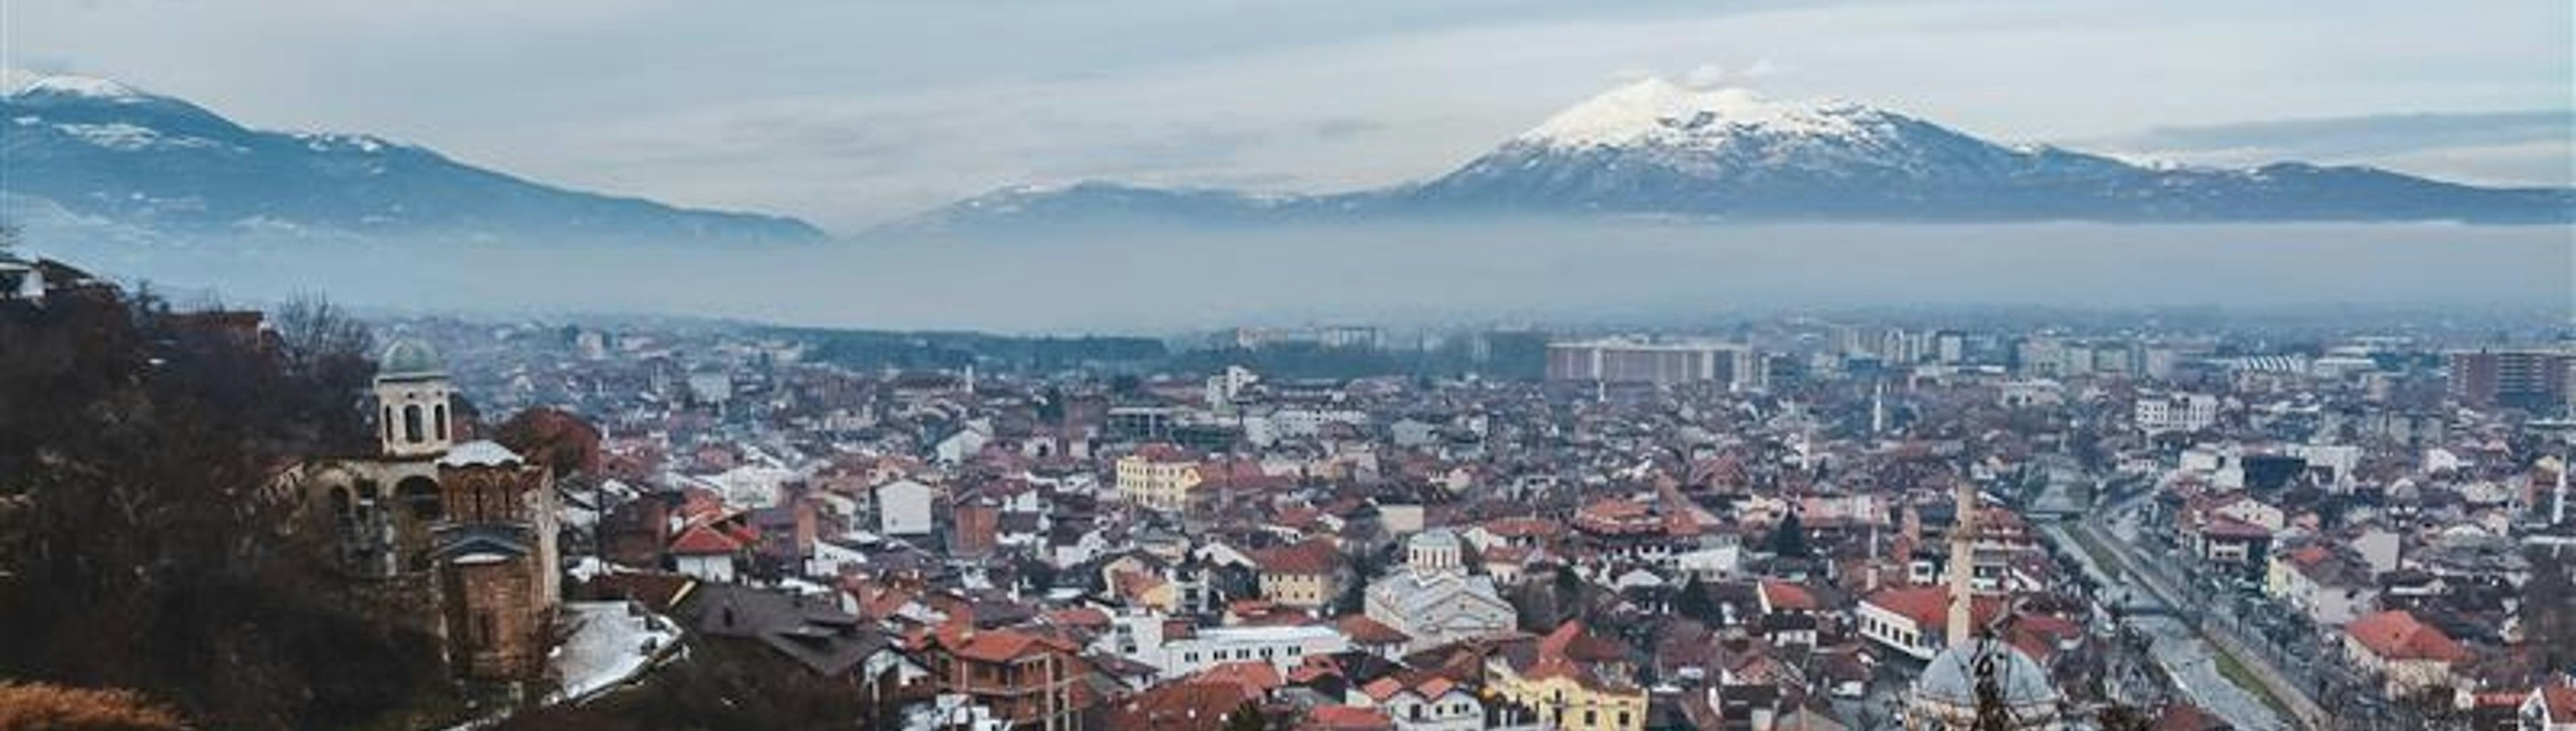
column 342, row 508
column 388, row 423
column 420, row 496
column 439, row 420
column 411, row 423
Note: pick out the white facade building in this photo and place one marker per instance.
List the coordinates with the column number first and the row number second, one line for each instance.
column 904, row 508
column 2158, row 413
column 1434, row 601
column 1174, row 649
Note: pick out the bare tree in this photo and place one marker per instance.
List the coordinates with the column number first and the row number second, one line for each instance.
column 315, row 332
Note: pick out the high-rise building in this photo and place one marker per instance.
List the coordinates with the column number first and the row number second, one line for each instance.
column 1632, row 360
column 2534, row 379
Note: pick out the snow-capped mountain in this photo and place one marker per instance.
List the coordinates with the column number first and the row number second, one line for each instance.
column 1660, row 149
column 95, row 158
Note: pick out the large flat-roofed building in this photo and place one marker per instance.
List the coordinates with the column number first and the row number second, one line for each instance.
column 1659, row 362
column 2535, row 379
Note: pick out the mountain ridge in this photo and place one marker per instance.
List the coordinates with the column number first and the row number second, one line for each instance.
column 1660, row 149
column 98, row 158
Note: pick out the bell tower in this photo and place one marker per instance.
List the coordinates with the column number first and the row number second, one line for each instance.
column 1433, row 552
column 412, row 395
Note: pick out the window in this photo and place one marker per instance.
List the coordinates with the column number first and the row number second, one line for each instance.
column 341, row 507
column 1591, row 717
column 420, row 495
column 1623, row 719
column 411, row 423
column 440, row 422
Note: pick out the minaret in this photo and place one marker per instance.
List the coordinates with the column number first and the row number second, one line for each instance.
column 2558, row 509
column 1878, row 407
column 1963, row 558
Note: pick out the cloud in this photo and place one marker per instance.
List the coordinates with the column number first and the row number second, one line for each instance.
column 1334, row 129
column 1710, row 75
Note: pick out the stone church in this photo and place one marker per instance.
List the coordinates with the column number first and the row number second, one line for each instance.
column 464, row 533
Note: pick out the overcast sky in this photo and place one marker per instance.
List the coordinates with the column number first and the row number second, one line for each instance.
column 848, row 112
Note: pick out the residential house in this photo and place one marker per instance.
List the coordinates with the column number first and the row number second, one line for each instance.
column 1575, row 680
column 2412, row 656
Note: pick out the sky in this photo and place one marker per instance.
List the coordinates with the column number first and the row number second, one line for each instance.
column 850, row 113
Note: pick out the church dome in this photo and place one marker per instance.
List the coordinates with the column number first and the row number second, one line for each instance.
column 408, row 357
column 1950, row 682
column 1436, row 538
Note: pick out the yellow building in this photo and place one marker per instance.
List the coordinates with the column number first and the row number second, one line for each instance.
column 1158, row 476
column 1304, row 576
column 1575, row 682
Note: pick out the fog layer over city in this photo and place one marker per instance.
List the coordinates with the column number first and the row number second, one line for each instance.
column 1419, row 275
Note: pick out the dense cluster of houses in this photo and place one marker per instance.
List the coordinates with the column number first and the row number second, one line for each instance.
column 1059, row 551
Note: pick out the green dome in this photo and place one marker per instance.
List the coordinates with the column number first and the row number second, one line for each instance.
column 408, row 357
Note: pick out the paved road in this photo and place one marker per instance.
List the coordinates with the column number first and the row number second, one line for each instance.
column 2187, row 658
column 2213, row 606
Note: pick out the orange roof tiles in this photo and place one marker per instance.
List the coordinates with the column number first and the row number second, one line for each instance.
column 1929, row 606
column 700, row 540
column 2397, row 635
column 1787, row 597
column 1311, row 557
column 1346, row 718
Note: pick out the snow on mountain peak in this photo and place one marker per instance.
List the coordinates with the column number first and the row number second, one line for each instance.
column 23, row 82
column 1656, row 110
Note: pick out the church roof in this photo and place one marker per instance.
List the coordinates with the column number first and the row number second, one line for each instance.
column 408, row 358
column 483, row 453
column 1433, row 538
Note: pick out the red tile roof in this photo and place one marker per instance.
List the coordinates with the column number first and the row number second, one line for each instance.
column 1162, row 452
column 1365, row 631
column 1522, row 527
column 998, row 645
column 1253, row 677
column 1787, row 597
column 1313, row 557
column 1929, row 606
column 2221, row 526
column 1178, row 706
column 2187, row 717
column 700, row 540
column 2560, row 702
column 2396, row 635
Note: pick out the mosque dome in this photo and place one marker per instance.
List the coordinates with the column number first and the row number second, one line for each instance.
column 1947, row 691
